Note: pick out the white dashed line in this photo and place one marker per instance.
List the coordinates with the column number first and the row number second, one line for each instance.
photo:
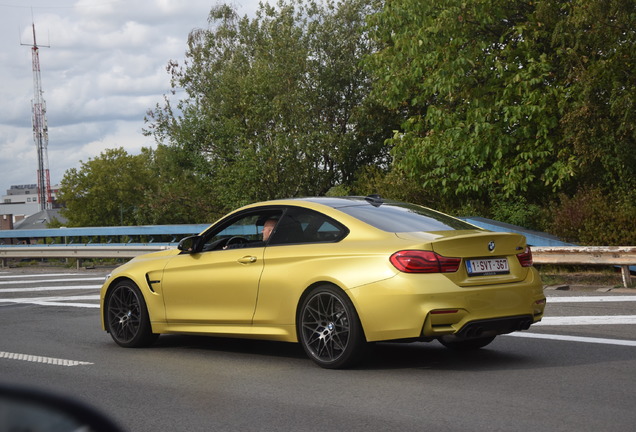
column 40, row 359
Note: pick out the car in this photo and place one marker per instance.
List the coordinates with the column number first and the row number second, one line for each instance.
column 333, row 274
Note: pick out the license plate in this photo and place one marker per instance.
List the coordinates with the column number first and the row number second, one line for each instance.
column 487, row 266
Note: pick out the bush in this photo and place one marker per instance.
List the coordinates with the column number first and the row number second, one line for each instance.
column 518, row 212
column 591, row 217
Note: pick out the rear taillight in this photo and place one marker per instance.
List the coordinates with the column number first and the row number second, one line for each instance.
column 525, row 257
column 417, row 261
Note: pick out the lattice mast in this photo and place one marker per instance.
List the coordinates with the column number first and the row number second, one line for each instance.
column 40, row 131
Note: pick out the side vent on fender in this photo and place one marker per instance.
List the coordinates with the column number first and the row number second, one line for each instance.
column 150, row 282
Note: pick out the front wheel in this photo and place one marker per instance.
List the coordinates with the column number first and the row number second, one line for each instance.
column 329, row 329
column 127, row 316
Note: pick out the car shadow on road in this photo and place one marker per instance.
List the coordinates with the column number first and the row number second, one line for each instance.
column 380, row 356
column 231, row 345
column 507, row 353
column 434, row 356
column 504, row 353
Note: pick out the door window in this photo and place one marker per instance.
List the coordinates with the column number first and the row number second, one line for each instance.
column 244, row 230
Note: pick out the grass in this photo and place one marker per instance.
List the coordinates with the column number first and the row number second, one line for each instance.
column 581, row 276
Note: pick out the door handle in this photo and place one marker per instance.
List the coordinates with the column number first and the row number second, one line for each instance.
column 247, row 260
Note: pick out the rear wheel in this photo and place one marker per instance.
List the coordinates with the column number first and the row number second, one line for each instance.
column 329, row 329
column 127, row 316
column 465, row 344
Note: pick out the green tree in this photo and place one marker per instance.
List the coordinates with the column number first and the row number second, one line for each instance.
column 275, row 105
column 107, row 190
column 508, row 97
column 181, row 194
column 476, row 86
column 595, row 42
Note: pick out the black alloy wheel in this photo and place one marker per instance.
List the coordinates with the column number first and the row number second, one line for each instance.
column 329, row 329
column 127, row 316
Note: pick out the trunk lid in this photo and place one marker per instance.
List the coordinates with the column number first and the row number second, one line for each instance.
column 487, row 257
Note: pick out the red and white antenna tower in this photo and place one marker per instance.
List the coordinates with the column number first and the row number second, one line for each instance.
column 40, row 131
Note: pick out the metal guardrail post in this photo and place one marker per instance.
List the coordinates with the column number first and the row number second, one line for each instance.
column 626, row 276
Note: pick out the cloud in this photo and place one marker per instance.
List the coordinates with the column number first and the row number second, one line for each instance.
column 106, row 66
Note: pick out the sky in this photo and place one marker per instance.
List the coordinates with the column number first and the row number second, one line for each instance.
column 104, row 67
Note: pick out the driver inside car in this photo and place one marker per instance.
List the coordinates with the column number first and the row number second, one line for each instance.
column 268, row 228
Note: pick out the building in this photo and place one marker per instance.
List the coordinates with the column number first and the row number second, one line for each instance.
column 20, row 202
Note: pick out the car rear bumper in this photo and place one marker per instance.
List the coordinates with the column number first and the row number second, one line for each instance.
column 406, row 306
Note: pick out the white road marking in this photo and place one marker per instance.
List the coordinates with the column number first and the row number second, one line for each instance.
column 70, row 301
column 53, row 298
column 79, row 305
column 574, row 338
column 40, row 359
column 587, row 320
column 14, row 276
column 48, row 288
column 101, row 278
column 55, row 301
column 591, row 299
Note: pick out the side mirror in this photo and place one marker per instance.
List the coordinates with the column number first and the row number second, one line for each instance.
column 24, row 409
column 190, row 244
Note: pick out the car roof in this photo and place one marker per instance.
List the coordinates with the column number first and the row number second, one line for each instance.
column 345, row 201
column 370, row 211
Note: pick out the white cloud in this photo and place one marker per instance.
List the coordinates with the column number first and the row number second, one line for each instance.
column 104, row 69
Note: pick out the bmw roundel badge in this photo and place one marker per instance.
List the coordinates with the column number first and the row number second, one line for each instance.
column 491, row 246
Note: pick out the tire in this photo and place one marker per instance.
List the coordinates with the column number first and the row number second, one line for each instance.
column 465, row 344
column 329, row 328
column 127, row 316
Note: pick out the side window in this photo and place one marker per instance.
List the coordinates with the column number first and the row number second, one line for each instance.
column 300, row 225
column 245, row 230
column 244, row 227
column 327, row 232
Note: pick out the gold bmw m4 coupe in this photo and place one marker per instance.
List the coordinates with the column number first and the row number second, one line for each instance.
column 333, row 274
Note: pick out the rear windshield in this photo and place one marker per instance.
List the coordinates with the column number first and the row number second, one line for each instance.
column 401, row 217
